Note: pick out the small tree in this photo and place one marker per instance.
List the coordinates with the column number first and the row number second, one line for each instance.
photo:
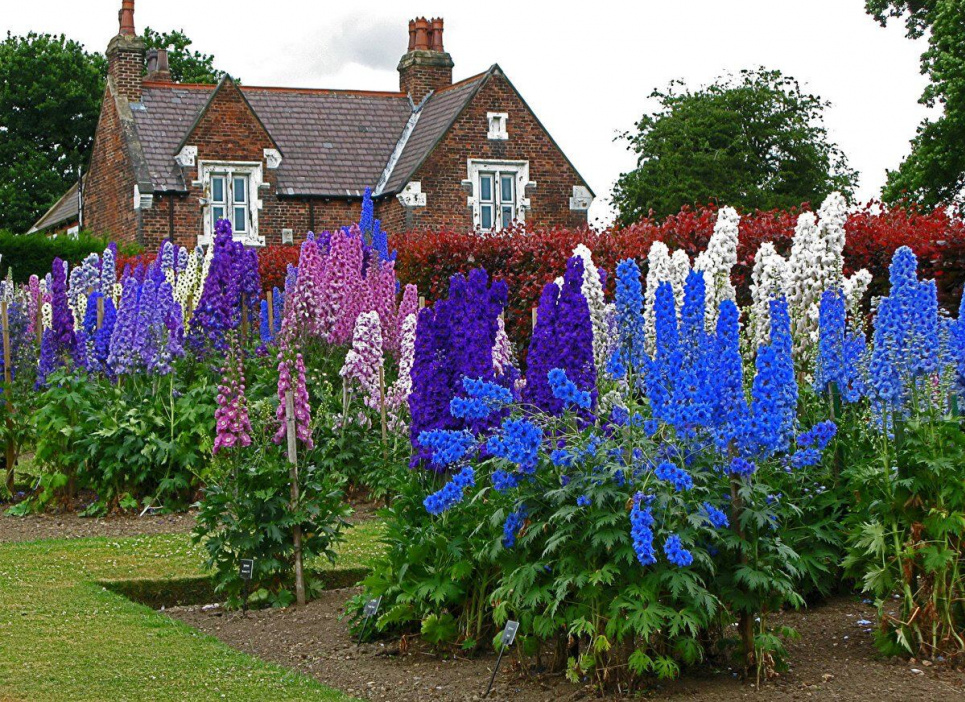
column 754, row 141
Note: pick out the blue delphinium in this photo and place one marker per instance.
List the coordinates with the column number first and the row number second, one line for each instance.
column 265, row 331
column 840, row 350
column 484, row 398
column 641, row 531
column 584, row 501
column 662, row 370
column 629, row 306
column 818, row 436
column 717, row 518
column 451, row 493
column 447, row 446
column 676, row 553
column 680, row 478
column 512, row 526
column 519, row 442
column 741, row 467
column 566, row 390
column 774, row 390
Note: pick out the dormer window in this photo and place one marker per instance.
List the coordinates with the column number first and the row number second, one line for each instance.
column 231, row 192
column 498, row 126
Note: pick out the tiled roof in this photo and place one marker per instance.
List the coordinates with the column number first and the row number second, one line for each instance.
column 163, row 118
column 64, row 210
column 333, row 143
column 437, row 116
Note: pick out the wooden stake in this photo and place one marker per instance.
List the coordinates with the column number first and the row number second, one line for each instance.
column 344, row 403
column 293, row 471
column 40, row 321
column 8, row 391
column 271, row 315
column 422, row 303
column 385, row 433
column 244, row 321
column 535, row 312
column 100, row 312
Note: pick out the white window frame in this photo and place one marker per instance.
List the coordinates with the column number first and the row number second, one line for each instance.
column 519, row 170
column 254, row 175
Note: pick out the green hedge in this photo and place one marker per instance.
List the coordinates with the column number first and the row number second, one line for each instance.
column 33, row 254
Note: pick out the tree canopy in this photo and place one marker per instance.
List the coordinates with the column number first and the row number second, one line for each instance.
column 934, row 172
column 753, row 141
column 187, row 66
column 50, row 99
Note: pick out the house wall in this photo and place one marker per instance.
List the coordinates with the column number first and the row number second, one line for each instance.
column 445, row 169
column 109, row 186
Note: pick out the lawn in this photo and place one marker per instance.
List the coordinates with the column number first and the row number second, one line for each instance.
column 63, row 637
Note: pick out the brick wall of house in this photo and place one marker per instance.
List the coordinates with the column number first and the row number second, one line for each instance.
column 109, row 185
column 445, row 169
column 229, row 131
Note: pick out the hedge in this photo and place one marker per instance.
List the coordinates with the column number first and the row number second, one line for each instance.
column 34, row 254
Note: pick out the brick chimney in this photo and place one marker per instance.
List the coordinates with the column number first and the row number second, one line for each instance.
column 426, row 66
column 158, row 67
column 125, row 56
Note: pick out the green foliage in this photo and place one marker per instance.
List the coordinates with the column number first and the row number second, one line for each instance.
column 906, row 533
column 50, row 96
column 134, row 441
column 934, row 172
column 34, row 254
column 247, row 512
column 753, row 142
column 187, row 66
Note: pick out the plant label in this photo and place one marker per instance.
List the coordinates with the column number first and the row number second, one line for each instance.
column 247, row 568
column 509, row 633
column 371, row 608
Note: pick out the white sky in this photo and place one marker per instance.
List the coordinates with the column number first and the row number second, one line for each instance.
column 586, row 69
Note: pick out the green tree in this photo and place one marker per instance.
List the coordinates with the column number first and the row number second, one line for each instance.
column 187, row 66
column 50, row 99
column 754, row 141
column 934, row 172
column 50, row 93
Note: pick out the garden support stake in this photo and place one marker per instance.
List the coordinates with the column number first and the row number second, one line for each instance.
column 297, row 529
column 10, row 453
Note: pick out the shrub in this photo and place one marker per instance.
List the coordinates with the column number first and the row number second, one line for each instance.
column 34, row 254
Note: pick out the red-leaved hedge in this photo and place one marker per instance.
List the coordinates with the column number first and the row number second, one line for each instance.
column 528, row 260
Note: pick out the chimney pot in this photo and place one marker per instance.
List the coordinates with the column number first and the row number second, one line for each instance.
column 411, row 35
column 126, row 18
column 437, row 28
column 162, row 61
column 152, row 56
column 421, row 34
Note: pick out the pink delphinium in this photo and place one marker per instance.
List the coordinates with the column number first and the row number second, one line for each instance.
column 232, row 426
column 303, row 410
column 303, row 306
column 381, row 284
column 344, row 285
column 397, row 396
column 363, row 361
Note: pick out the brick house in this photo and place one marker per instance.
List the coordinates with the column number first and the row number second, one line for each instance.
column 170, row 159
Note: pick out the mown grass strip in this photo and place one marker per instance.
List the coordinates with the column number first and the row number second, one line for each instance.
column 63, row 637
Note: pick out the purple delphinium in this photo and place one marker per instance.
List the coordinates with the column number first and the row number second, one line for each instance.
column 219, row 308
column 454, row 341
column 61, row 345
column 122, row 357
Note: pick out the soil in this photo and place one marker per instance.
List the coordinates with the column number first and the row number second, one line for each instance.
column 834, row 659
column 71, row 526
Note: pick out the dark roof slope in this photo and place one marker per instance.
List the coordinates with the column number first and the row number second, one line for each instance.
column 332, row 143
column 163, row 118
column 437, row 116
column 64, row 211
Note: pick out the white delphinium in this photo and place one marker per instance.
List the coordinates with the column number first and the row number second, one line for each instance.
column 854, row 288
column 717, row 262
column 502, row 348
column 397, row 396
column 816, row 264
column 593, row 292
column 768, row 282
column 679, row 270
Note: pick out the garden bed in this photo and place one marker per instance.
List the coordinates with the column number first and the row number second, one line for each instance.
column 834, row 659
column 72, row 526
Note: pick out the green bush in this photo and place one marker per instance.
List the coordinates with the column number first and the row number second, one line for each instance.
column 33, row 254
